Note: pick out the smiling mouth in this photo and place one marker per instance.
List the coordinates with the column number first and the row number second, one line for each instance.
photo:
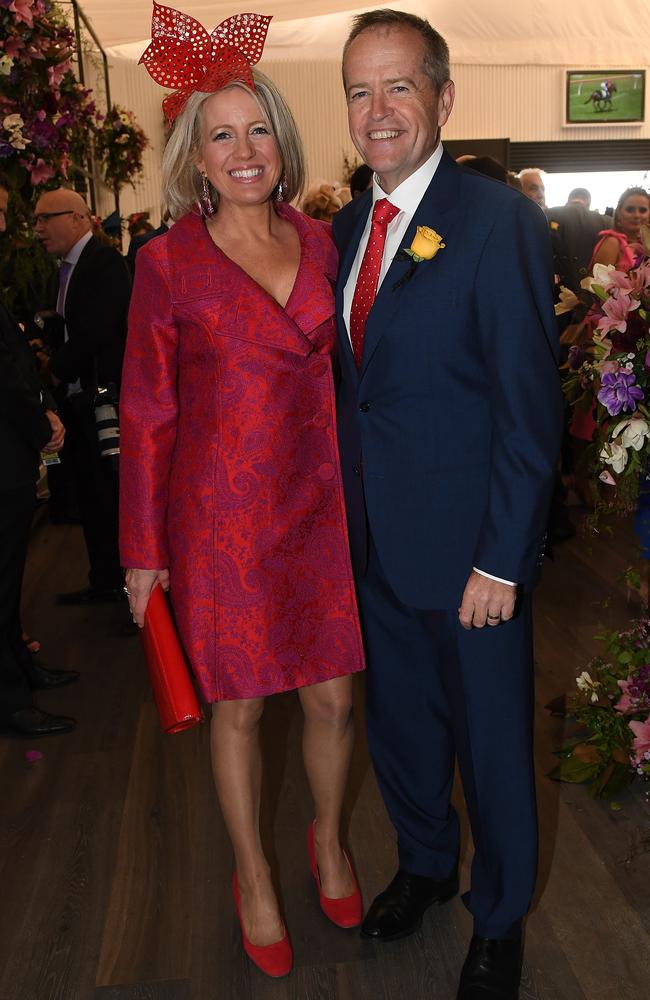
column 249, row 174
column 384, row 133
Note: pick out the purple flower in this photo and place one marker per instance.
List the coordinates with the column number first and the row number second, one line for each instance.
column 576, row 356
column 619, row 392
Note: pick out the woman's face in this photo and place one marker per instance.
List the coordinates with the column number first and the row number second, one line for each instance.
column 633, row 213
column 238, row 152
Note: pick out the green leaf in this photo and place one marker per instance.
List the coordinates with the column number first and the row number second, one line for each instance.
column 574, row 771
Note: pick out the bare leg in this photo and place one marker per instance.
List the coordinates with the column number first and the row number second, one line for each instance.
column 328, row 737
column 237, row 768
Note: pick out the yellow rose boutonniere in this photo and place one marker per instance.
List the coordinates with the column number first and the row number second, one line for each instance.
column 426, row 244
column 554, row 225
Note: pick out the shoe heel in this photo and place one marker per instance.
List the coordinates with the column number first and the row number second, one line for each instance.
column 274, row 960
column 345, row 912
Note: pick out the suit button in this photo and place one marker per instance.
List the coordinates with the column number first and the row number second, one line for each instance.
column 326, row 470
column 357, row 470
column 364, row 407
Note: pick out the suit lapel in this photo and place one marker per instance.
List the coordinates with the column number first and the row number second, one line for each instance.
column 438, row 200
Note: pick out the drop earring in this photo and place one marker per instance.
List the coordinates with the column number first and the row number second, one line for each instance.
column 282, row 187
column 207, row 208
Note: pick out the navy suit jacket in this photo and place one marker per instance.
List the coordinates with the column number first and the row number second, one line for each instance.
column 449, row 434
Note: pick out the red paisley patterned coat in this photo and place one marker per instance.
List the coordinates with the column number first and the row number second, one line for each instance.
column 229, row 464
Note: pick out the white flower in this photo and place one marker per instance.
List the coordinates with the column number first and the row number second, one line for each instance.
column 568, row 301
column 600, row 277
column 587, row 684
column 632, row 432
column 13, row 123
column 615, row 455
column 6, row 63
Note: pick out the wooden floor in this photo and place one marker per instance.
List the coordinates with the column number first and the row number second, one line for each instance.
column 115, row 868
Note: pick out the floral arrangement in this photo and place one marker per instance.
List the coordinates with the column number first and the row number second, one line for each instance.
column 45, row 115
column 612, row 709
column 609, row 373
column 119, row 145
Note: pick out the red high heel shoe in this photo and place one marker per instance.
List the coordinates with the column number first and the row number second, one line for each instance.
column 344, row 912
column 275, row 959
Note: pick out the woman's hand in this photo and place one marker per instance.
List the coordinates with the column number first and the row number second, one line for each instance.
column 139, row 584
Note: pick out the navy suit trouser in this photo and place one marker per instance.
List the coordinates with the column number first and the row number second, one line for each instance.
column 436, row 692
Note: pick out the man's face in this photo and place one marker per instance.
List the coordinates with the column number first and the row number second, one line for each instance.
column 533, row 188
column 394, row 111
column 4, row 202
column 57, row 226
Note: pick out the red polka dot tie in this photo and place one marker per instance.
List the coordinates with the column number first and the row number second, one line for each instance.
column 366, row 288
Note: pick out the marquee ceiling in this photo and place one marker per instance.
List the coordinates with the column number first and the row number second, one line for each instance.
column 560, row 32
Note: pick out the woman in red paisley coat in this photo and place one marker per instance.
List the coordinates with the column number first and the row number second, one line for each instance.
column 231, row 492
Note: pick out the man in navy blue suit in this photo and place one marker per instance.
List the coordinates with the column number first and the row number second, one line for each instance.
column 449, row 421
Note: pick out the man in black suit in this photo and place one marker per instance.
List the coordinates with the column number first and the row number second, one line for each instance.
column 574, row 234
column 93, row 298
column 26, row 427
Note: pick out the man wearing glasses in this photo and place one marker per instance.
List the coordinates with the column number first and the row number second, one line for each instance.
column 93, row 298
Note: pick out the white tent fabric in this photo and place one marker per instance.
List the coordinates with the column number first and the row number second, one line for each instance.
column 614, row 33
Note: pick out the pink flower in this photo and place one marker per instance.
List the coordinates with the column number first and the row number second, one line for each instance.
column 610, row 367
column 620, row 279
column 616, row 310
column 607, row 478
column 641, row 744
column 23, row 11
column 13, row 45
column 624, row 703
column 40, row 172
column 56, row 73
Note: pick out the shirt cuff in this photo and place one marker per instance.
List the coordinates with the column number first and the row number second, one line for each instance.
column 490, row 577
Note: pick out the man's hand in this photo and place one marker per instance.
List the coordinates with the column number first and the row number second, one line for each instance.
column 486, row 602
column 139, row 584
column 58, row 432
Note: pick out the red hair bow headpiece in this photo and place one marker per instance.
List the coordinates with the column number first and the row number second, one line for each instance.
column 183, row 56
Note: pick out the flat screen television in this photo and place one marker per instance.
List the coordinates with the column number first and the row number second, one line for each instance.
column 605, row 97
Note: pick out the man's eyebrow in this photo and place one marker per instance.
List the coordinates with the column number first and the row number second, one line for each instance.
column 390, row 82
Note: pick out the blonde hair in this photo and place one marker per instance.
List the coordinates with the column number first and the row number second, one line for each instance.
column 182, row 185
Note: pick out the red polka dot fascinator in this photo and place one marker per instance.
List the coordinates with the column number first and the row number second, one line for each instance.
column 185, row 58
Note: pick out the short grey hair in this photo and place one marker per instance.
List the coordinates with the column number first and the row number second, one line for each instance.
column 436, row 50
column 182, row 185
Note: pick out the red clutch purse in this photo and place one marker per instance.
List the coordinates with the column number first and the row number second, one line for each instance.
column 173, row 690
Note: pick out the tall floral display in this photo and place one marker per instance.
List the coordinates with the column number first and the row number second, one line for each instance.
column 49, row 125
column 608, row 380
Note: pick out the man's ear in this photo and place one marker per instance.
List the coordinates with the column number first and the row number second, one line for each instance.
column 445, row 102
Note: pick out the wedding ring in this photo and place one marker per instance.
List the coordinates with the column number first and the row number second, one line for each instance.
column 495, row 619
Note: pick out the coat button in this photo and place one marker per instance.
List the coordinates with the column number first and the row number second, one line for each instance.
column 319, row 369
column 326, row 470
column 321, row 420
column 364, row 407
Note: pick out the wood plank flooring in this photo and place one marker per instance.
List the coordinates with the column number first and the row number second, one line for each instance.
column 115, row 866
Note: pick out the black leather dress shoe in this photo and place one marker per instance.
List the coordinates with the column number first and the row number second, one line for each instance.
column 40, row 678
column 90, row 595
column 398, row 910
column 32, row 722
column 492, row 970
